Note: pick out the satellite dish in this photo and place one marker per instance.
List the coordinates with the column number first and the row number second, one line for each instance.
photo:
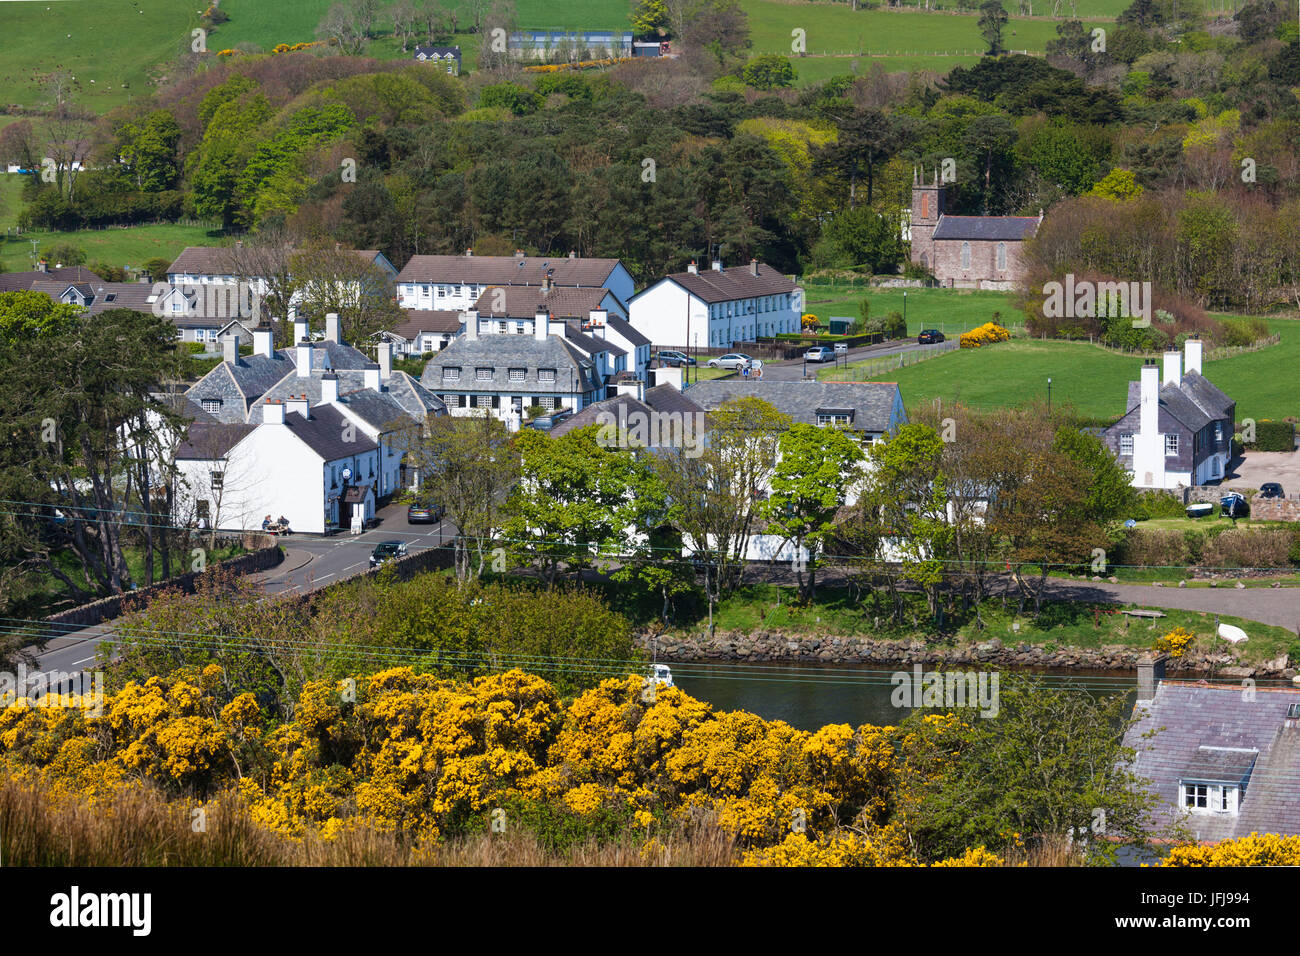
column 1234, row 635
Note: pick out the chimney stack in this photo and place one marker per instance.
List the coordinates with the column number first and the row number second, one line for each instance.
column 1173, row 368
column 669, row 376
column 471, row 324
column 371, row 375
column 300, row 331
column 693, row 269
column 1193, row 351
column 598, row 318
column 469, row 253
column 573, row 253
column 546, row 283
column 303, row 357
column 231, row 348
column 1149, row 399
column 273, row 412
column 329, row 388
column 332, row 328
column 753, row 267
column 717, row 265
column 297, row 404
column 262, row 336
column 542, row 324
column 1150, row 670
column 386, row 360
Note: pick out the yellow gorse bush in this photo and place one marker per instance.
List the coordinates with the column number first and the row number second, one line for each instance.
column 1175, row 643
column 987, row 334
column 1255, row 850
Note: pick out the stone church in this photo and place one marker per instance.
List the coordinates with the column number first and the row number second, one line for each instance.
column 966, row 252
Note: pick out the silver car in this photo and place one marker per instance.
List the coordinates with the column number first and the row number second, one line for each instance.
column 732, row 360
column 819, row 353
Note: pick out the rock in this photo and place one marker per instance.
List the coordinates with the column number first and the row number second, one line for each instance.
column 1237, row 672
column 1157, row 584
column 1096, row 577
column 1182, row 584
column 1276, row 584
column 1239, row 585
column 1214, row 584
column 1113, row 580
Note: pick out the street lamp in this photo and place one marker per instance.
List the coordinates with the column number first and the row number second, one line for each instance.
column 904, row 311
column 1049, row 397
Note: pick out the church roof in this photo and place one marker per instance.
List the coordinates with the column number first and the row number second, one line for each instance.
column 987, row 228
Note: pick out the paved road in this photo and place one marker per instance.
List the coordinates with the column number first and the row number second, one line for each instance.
column 1278, row 606
column 793, row 370
column 310, row 563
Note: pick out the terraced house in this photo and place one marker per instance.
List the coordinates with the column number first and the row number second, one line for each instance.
column 456, row 282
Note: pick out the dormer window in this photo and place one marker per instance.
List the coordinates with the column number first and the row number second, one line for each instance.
column 451, row 374
column 211, row 405
column 1211, row 797
column 546, row 375
column 483, row 374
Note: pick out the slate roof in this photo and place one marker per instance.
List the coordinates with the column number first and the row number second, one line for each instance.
column 736, row 282
column 590, row 343
column 215, row 260
column 64, row 277
column 987, row 228
column 1178, row 402
column 625, row 329
column 610, row 406
column 237, row 386
column 440, row 51
column 1202, row 730
column 507, row 270
column 402, row 395
column 666, row 398
column 524, row 302
column 324, row 433
column 872, row 403
column 209, row 440
column 573, row 370
column 1207, row 395
column 428, row 320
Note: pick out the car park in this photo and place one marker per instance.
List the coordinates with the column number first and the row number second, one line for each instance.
column 732, row 360
column 819, row 353
column 673, row 358
column 930, row 337
column 387, row 551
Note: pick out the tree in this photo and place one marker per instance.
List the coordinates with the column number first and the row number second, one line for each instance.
column 865, row 238
column 650, row 19
column 265, row 261
column 818, row 468
column 1109, row 495
column 769, row 72
column 343, row 26
column 866, row 139
column 1143, row 14
column 992, row 20
column 435, row 19
column 33, row 316
column 149, row 151
column 66, row 254
column 989, row 139
column 468, row 466
column 1117, row 184
column 331, row 278
column 405, row 20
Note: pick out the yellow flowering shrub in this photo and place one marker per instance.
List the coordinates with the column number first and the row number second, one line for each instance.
column 1175, row 643
column 1267, row 849
column 989, row 333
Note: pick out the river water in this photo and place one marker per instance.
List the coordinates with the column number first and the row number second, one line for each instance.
column 808, row 696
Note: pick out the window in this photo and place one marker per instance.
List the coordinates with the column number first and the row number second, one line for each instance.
column 1210, row 797
column 451, row 374
column 483, row 374
column 218, row 479
column 1171, row 444
column 1002, row 255
column 546, row 375
column 1196, row 796
column 451, row 401
column 425, row 291
column 832, row 419
column 1126, row 444
column 503, row 327
column 520, row 328
column 1218, row 432
column 482, row 401
column 516, row 375
column 965, row 255
column 211, row 405
column 442, row 291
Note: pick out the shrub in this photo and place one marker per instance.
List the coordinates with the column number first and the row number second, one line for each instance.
column 1273, row 436
column 1157, row 504
column 1155, row 547
column 1253, row 548
column 1175, row 642
column 987, row 334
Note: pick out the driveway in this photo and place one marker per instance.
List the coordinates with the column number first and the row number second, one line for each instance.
column 1257, row 467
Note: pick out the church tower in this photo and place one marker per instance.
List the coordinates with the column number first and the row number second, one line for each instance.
column 927, row 206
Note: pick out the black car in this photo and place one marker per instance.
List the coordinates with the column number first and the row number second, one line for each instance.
column 930, row 337
column 1271, row 489
column 673, row 358
column 387, row 551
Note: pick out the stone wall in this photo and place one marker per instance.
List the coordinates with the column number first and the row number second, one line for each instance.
column 983, row 272
column 106, row 609
column 1265, row 509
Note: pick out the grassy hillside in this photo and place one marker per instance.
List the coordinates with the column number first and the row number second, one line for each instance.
column 116, row 247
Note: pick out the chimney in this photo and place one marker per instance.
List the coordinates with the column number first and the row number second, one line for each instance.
column 542, row 325
column 371, row 375
column 386, row 360
column 471, row 323
column 300, row 332
column 231, row 348
column 669, row 376
column 304, row 359
column 598, row 318
column 1149, row 400
column 329, row 388
column 469, row 253
column 42, row 266
column 1150, row 670
column 262, row 337
column 297, row 404
column 1173, row 368
column 753, row 268
column 717, row 265
column 1193, row 352
column 573, row 253
column 693, row 269
column 273, row 412
column 146, row 278
column 519, row 253
column 634, row 388
column 546, row 283
column 332, row 328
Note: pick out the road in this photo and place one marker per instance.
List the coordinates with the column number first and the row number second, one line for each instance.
column 794, row 370
column 310, row 562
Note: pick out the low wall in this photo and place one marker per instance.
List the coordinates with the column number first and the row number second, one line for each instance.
column 1265, row 509
column 106, row 609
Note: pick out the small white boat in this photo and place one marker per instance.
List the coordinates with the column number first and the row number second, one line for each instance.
column 1233, row 635
column 1200, row 510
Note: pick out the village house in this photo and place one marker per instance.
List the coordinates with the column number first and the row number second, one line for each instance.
column 505, row 375
column 444, row 56
column 1221, row 762
column 425, row 330
column 1177, row 429
column 966, row 252
column 717, row 309
column 456, row 282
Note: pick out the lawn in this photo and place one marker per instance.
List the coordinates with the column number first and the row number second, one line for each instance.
column 126, row 246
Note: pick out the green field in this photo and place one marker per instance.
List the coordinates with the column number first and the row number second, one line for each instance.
column 949, row 310
column 1092, row 380
column 116, row 247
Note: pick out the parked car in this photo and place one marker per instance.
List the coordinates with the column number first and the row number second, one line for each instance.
column 732, row 360
column 819, row 353
column 424, row 514
column 387, row 551
column 673, row 358
column 1271, row 489
column 930, row 337
column 1233, row 505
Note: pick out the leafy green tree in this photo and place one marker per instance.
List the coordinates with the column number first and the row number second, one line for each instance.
column 517, row 99
column 27, row 316
column 866, row 139
column 992, row 21
column 65, row 253
column 769, row 72
column 650, row 19
column 1117, row 184
column 866, row 238
column 816, row 470
column 149, row 151
column 989, row 139
column 1109, row 493
column 1143, row 14
column 1063, row 159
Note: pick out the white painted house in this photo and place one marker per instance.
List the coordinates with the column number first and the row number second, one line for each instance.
column 714, row 309
column 456, row 282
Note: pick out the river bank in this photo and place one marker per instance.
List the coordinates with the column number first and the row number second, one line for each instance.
column 784, row 647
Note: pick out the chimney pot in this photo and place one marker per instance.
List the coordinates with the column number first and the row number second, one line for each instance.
column 753, row 267
column 693, row 269
column 273, row 412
